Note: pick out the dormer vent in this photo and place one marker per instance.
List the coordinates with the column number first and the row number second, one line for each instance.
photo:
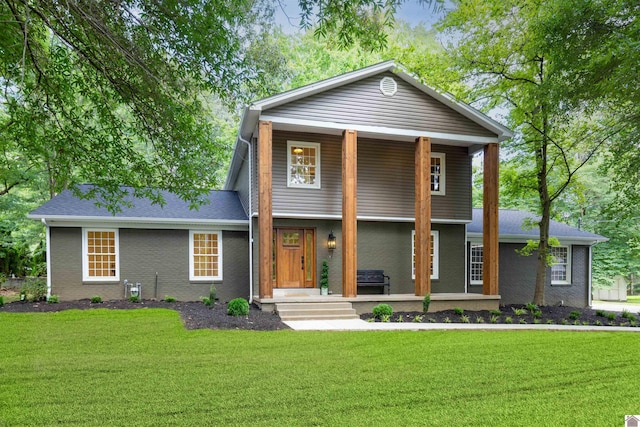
column 388, row 86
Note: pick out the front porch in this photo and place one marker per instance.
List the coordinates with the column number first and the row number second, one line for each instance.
column 399, row 302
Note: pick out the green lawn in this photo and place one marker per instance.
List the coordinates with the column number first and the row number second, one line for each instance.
column 140, row 367
column 633, row 298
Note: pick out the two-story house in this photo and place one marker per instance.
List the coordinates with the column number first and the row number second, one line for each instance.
column 369, row 170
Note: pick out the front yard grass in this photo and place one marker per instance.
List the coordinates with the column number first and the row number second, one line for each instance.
column 142, row 368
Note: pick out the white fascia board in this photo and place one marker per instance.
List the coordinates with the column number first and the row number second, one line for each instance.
column 523, row 238
column 285, row 215
column 132, row 222
column 380, row 131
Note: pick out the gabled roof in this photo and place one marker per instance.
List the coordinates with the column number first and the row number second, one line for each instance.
column 510, row 228
column 224, row 207
column 253, row 112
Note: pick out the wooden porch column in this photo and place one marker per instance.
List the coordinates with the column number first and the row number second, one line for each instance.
column 349, row 212
column 423, row 216
column 490, row 221
column 265, row 213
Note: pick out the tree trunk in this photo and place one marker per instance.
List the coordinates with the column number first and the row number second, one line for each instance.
column 545, row 205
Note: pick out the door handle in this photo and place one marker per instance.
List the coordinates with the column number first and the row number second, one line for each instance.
column 302, row 262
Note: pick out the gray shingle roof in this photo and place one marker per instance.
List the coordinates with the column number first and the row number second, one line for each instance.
column 224, row 206
column 510, row 226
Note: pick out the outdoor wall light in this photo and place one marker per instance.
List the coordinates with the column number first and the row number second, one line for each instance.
column 331, row 241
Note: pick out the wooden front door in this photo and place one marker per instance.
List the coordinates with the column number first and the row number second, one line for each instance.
column 294, row 257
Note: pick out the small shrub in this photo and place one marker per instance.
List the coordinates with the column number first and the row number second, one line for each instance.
column 464, row 318
column 532, row 307
column 536, row 321
column 432, row 320
column 447, row 320
column 381, row 310
column 33, row 290
column 537, row 314
column 576, row 322
column 585, row 323
column 627, row 315
column 417, row 319
column 494, row 319
column 508, row 320
column 522, row 321
column 479, row 319
column 212, row 294
column 612, row 323
column 53, row 299
column 625, row 324
column 399, row 319
column 459, row 311
column 564, row 322
column 633, row 323
column 496, row 313
column 167, row 298
column 134, row 298
column 425, row 303
column 519, row 311
column 549, row 322
column 632, row 317
column 371, row 319
column 1, row 300
column 600, row 313
column 598, row 323
column 385, row 318
column 206, row 301
column 96, row 299
column 611, row 316
column 238, row 307
column 574, row 314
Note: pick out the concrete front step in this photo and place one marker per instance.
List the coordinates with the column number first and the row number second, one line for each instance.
column 316, row 311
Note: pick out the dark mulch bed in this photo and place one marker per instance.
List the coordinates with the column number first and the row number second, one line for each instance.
column 195, row 315
column 548, row 315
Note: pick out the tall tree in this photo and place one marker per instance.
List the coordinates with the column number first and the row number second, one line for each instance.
column 498, row 47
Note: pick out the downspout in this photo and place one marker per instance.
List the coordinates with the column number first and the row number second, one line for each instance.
column 466, row 260
column 240, row 138
column 589, row 297
column 48, row 256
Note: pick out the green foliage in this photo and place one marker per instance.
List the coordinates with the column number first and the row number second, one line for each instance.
column 1, row 300
column 464, row 318
column 418, row 318
column 426, row 301
column 494, row 318
column 508, row 320
column 459, row 311
column 598, row 323
column 611, row 316
column 382, row 310
column 385, row 318
column 168, row 298
column 495, row 312
column 53, row 299
column 600, row 313
column 574, row 314
column 532, row 307
column 238, row 307
column 134, row 299
column 96, row 299
column 212, row 293
column 447, row 320
column 537, row 314
column 34, row 290
column 519, row 311
column 522, row 321
column 400, row 319
column 207, row 301
column 479, row 319
column 324, row 275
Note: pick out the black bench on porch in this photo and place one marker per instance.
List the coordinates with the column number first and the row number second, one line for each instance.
column 372, row 278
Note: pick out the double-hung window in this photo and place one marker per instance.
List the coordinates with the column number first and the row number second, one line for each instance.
column 476, row 264
column 434, row 254
column 561, row 268
column 100, row 255
column 205, row 255
column 438, row 174
column 303, row 164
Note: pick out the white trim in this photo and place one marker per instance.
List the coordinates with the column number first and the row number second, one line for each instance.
column 376, row 131
column 48, row 258
column 85, row 256
column 194, row 278
column 388, row 86
column 141, row 220
column 523, row 238
column 302, row 144
column 436, row 255
column 443, row 169
column 590, row 277
column 567, row 280
column 362, row 218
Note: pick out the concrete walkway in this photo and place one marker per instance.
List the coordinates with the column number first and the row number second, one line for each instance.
column 361, row 325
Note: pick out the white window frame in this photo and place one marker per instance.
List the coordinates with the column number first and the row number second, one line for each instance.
column 567, row 280
column 302, row 144
column 443, row 168
column 85, row 256
column 471, row 263
column 435, row 274
column 192, row 276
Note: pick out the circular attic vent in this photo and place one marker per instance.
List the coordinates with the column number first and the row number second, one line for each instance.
column 388, row 86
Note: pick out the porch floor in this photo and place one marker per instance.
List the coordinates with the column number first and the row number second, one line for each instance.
column 399, row 302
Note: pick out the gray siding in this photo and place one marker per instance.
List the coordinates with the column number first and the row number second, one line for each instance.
column 363, row 103
column 242, row 185
column 386, row 179
column 517, row 278
column 143, row 253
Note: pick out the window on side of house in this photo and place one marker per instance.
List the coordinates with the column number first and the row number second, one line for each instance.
column 438, row 174
column 435, row 249
column 561, row 268
column 303, row 164
column 100, row 255
column 476, row 258
column 205, row 255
